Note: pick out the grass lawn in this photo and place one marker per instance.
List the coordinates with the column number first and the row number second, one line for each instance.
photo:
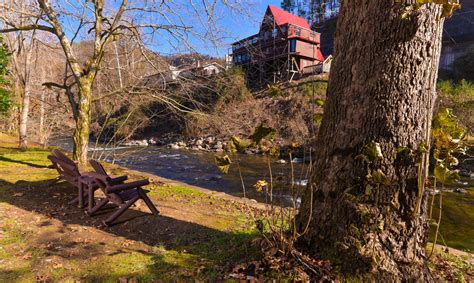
column 197, row 235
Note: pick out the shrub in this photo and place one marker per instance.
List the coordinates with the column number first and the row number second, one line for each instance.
column 460, row 98
column 232, row 85
column 5, row 94
column 317, row 89
column 463, row 88
column 445, row 87
column 274, row 90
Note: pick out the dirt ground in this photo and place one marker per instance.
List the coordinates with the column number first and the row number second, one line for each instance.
column 196, row 235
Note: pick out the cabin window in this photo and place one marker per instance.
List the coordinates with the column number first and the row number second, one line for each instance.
column 284, row 29
column 266, row 35
column 293, row 45
column 297, row 31
column 274, row 33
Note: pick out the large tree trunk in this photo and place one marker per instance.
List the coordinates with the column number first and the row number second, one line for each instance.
column 82, row 131
column 381, row 89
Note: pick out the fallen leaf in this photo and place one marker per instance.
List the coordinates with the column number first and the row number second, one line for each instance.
column 57, row 265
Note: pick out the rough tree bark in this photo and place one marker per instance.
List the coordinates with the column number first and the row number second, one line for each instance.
column 23, row 118
column 82, row 130
column 23, row 74
column 381, row 89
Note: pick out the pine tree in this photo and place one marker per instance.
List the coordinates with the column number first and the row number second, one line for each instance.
column 5, row 94
column 288, row 5
column 315, row 11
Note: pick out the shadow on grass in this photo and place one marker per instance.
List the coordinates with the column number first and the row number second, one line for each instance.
column 177, row 243
column 6, row 159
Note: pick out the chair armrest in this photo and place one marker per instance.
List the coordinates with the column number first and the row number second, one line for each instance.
column 127, row 186
column 118, row 180
column 87, row 180
column 103, row 178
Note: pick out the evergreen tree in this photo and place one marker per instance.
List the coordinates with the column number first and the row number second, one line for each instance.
column 5, row 94
column 288, row 5
column 315, row 11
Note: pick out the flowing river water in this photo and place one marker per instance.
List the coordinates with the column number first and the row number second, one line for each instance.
column 198, row 168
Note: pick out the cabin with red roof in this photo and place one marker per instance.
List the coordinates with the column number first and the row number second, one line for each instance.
column 284, row 47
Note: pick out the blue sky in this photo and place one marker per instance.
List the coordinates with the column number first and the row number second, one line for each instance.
column 242, row 26
column 233, row 26
column 230, row 26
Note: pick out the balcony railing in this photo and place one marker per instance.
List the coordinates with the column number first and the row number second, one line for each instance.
column 303, row 33
column 246, row 43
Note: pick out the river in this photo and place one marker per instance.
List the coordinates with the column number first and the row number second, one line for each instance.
column 198, row 168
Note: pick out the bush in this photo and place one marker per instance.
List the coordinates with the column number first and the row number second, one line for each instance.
column 445, row 87
column 232, row 85
column 460, row 98
column 463, row 88
column 318, row 89
column 5, row 101
column 274, row 90
column 5, row 94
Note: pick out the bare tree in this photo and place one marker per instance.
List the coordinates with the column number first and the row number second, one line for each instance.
column 104, row 22
column 22, row 44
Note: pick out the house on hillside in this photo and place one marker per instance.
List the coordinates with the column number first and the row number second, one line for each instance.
column 209, row 69
column 284, row 47
column 175, row 73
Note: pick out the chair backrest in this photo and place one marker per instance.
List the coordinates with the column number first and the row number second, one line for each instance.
column 98, row 167
column 104, row 183
column 69, row 172
column 63, row 157
column 56, row 165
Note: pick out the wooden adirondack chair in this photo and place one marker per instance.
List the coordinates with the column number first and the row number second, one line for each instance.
column 60, row 157
column 99, row 169
column 69, row 172
column 123, row 195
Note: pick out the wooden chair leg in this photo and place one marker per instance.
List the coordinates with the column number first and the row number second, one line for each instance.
column 90, row 198
column 53, row 182
column 75, row 200
column 121, row 210
column 80, row 193
column 98, row 206
column 148, row 202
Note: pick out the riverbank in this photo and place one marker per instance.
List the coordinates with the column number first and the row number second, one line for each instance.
column 200, row 234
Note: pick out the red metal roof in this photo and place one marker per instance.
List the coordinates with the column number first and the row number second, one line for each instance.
column 282, row 17
column 319, row 55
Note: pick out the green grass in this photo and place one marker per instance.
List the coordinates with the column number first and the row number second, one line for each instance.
column 203, row 254
column 166, row 191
